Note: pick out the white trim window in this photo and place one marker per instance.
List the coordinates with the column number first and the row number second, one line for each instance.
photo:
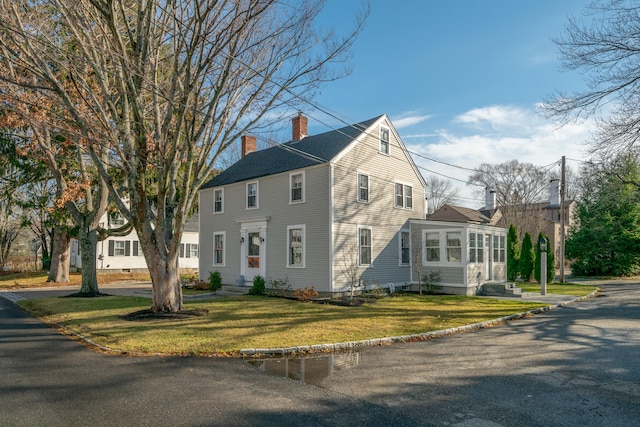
column 498, row 248
column 252, row 195
column 218, row 200
column 363, row 187
column 296, row 237
column 403, row 196
column 404, row 247
column 476, row 247
column 119, row 248
column 384, row 141
column 454, row 246
column 219, row 243
column 364, row 245
column 432, row 247
column 296, row 187
column 117, row 220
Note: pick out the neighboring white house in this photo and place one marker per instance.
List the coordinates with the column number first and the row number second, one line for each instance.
column 124, row 254
column 320, row 210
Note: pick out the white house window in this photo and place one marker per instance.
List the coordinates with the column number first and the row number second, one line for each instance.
column 218, row 201
column 295, row 245
column 364, row 245
column 432, row 247
column 296, row 183
column 403, row 196
column 476, row 248
column 218, row 248
column 498, row 248
column 188, row 250
column 363, row 187
column 405, row 248
column 119, row 247
column 192, row 250
column 384, row 140
column 252, row 195
column 117, row 220
column 454, row 247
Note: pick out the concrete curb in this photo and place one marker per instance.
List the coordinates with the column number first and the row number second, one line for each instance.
column 355, row 345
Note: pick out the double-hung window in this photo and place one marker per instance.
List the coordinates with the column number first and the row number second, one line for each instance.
column 218, row 200
column 364, row 245
column 476, row 248
column 432, row 247
column 454, row 246
column 117, row 220
column 403, row 196
column 405, row 248
column 252, row 195
column 295, row 245
column 296, row 187
column 498, row 248
column 363, row 187
column 384, row 140
column 218, row 248
column 119, row 248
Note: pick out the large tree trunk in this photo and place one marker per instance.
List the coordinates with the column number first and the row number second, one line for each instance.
column 167, row 292
column 88, row 244
column 60, row 256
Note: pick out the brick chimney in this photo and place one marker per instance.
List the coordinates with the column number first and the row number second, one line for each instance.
column 248, row 144
column 299, row 127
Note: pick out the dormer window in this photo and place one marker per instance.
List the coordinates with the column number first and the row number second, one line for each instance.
column 384, row 141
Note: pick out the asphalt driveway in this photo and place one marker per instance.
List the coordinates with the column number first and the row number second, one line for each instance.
column 575, row 365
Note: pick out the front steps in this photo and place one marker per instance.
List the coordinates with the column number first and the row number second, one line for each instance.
column 501, row 290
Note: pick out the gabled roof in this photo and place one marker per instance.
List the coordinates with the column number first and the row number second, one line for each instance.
column 459, row 214
column 309, row 151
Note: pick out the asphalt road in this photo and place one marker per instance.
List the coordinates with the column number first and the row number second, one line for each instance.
column 575, row 365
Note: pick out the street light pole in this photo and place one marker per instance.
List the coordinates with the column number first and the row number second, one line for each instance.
column 543, row 266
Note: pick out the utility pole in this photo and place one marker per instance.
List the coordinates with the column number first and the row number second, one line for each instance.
column 562, row 214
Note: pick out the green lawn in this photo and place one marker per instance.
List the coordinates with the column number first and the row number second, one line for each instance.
column 241, row 322
column 558, row 288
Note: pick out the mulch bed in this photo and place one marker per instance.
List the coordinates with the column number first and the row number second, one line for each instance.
column 150, row 315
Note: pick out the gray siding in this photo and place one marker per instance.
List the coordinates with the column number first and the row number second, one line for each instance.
column 379, row 213
column 274, row 207
column 459, row 278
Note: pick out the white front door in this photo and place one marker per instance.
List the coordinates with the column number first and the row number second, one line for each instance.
column 254, row 250
column 253, row 258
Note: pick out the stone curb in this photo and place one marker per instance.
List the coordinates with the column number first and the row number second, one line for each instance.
column 355, row 345
column 344, row 346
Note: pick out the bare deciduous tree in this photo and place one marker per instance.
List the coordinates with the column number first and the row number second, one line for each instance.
column 520, row 188
column 165, row 86
column 604, row 46
column 439, row 192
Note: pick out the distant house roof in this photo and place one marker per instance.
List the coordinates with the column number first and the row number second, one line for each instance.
column 309, row 151
column 459, row 214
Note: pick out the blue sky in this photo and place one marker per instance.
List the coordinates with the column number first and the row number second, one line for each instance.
column 461, row 80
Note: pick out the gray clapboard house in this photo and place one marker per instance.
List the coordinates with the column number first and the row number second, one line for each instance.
column 315, row 210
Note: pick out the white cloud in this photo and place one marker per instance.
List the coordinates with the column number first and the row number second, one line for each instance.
column 410, row 120
column 497, row 134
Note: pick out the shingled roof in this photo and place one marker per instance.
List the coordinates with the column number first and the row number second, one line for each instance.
column 292, row 155
column 459, row 214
